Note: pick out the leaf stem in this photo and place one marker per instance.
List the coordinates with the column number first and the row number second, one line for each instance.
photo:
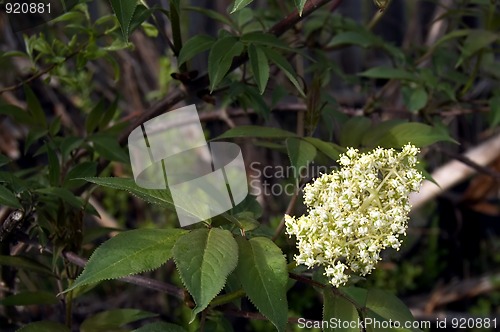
column 227, row 298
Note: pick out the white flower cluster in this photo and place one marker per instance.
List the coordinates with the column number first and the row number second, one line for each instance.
column 356, row 212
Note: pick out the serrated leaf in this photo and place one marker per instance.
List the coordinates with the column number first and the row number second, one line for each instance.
column 29, row 298
column 263, row 274
column 260, row 67
column 8, row 198
column 128, row 253
column 141, row 14
column 388, row 307
column 113, row 319
column 154, row 196
column 221, row 57
column 418, row 134
column 335, row 306
column 204, row 259
column 389, row 73
column 25, row 263
column 239, row 4
column 256, row 131
column 193, row 46
column 300, row 153
column 44, row 326
column 286, row 67
column 160, row 327
column 35, row 108
column 124, row 11
column 353, row 131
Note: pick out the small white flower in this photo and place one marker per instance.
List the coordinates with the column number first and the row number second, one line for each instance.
column 356, row 212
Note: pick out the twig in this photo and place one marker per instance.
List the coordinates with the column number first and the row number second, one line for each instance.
column 136, row 280
column 288, row 211
column 41, row 72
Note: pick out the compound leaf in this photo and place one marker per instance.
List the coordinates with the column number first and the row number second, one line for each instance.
column 263, row 274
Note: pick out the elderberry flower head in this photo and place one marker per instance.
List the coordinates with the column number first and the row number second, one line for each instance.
column 356, row 212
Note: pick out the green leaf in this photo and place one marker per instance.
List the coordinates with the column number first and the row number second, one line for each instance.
column 160, row 327
column 29, row 298
column 373, row 136
column 389, row 73
column 25, row 263
column 335, row 306
column 301, row 153
column 299, row 4
column 221, row 57
column 329, row 149
column 263, row 274
column 204, row 259
column 362, row 39
column 356, row 294
column 44, row 326
column 418, row 134
column 388, row 307
column 286, row 67
column 477, row 40
column 260, row 38
column 256, row 131
column 54, row 166
column 85, row 169
column 110, row 320
column 418, row 99
column 124, row 11
column 94, row 117
column 260, row 67
column 108, row 147
column 8, row 198
column 141, row 14
column 62, row 193
column 353, row 131
column 153, row 196
column 128, row 253
column 239, row 4
column 17, row 114
column 35, row 108
column 194, row 46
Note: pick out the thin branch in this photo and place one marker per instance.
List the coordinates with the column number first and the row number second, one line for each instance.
column 288, row 211
column 136, row 280
column 42, row 72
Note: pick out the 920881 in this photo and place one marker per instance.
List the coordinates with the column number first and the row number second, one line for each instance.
column 20, row 7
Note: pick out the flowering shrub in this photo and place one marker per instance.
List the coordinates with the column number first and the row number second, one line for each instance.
column 356, row 212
